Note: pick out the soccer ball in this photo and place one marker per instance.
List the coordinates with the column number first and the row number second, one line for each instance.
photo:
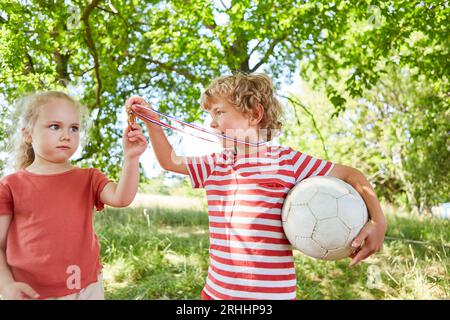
column 321, row 217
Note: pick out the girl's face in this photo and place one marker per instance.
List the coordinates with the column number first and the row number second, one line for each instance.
column 55, row 135
column 227, row 120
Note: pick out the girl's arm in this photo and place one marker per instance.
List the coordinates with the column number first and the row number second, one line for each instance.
column 123, row 193
column 371, row 237
column 164, row 152
column 9, row 288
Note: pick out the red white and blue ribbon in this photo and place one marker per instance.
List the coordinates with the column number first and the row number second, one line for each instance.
column 190, row 125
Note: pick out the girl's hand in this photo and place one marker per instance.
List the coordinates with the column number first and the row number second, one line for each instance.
column 368, row 241
column 131, row 105
column 134, row 142
column 18, row 291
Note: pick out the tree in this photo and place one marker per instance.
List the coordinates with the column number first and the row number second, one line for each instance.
column 398, row 135
column 165, row 50
column 105, row 51
column 378, row 35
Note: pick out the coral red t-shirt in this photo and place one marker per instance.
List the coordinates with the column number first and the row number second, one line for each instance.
column 51, row 243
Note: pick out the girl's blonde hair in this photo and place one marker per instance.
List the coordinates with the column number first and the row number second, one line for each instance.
column 27, row 112
column 244, row 92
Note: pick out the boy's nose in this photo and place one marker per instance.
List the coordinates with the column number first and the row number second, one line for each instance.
column 213, row 124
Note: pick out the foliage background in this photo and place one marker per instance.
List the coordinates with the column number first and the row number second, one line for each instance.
column 377, row 74
column 371, row 91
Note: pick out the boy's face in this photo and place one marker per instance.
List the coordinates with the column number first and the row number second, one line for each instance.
column 55, row 135
column 227, row 120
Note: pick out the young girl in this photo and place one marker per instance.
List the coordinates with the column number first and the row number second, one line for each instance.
column 246, row 184
column 48, row 247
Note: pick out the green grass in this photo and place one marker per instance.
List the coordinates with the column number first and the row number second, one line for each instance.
column 162, row 253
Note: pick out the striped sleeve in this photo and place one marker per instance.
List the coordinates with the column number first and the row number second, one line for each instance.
column 200, row 169
column 306, row 166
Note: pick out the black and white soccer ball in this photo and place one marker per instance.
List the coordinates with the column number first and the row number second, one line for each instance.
column 321, row 217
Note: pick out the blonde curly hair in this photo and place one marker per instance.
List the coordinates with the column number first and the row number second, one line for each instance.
column 25, row 116
column 244, row 92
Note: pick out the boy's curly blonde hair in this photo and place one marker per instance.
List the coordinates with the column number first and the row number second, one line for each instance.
column 244, row 91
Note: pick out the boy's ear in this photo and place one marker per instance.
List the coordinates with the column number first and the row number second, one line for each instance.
column 257, row 114
column 26, row 135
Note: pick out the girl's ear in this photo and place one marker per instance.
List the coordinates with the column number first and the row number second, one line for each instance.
column 257, row 114
column 26, row 135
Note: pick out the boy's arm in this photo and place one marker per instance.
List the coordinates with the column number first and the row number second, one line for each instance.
column 371, row 237
column 164, row 152
column 123, row 193
column 9, row 288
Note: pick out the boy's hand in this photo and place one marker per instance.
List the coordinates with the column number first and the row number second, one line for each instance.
column 18, row 291
column 134, row 142
column 131, row 105
column 368, row 241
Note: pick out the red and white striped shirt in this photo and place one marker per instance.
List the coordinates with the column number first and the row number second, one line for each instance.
column 250, row 256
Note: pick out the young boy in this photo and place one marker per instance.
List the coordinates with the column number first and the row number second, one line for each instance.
column 246, row 184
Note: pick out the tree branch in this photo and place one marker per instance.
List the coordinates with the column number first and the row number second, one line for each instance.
column 62, row 61
column 29, row 65
column 29, row 68
column 268, row 53
column 298, row 103
column 116, row 14
column 166, row 66
column 90, row 42
column 256, row 47
column 82, row 72
column 224, row 6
